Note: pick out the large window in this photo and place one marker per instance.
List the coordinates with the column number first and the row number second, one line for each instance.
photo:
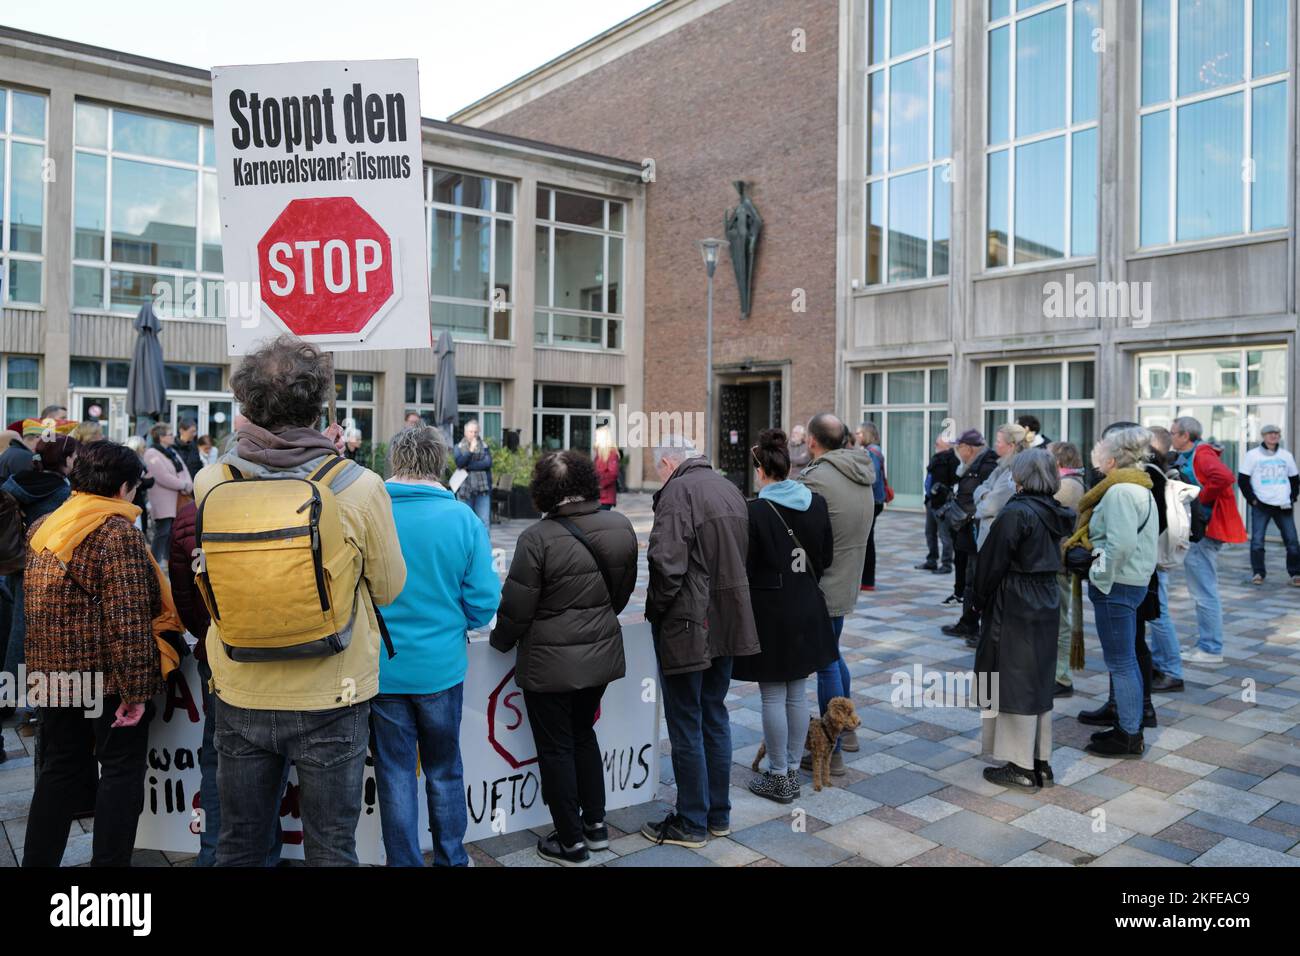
column 579, row 268
column 1213, row 119
column 354, row 403
column 22, row 195
column 1232, row 392
column 567, row 416
column 1060, row 394
column 20, row 382
column 909, row 406
column 145, row 216
column 475, row 399
column 1042, row 130
column 471, row 253
column 909, row 139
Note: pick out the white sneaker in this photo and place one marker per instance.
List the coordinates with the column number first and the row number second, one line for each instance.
column 1198, row 656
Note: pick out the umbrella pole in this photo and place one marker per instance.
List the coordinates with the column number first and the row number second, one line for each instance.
column 334, row 393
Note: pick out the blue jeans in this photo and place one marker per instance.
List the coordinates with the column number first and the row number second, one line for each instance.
column 405, row 727
column 1285, row 521
column 1117, row 629
column 1201, row 565
column 329, row 749
column 482, row 505
column 209, row 797
column 699, row 729
column 1166, row 656
column 833, row 679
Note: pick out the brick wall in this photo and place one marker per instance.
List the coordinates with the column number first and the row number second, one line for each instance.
column 723, row 98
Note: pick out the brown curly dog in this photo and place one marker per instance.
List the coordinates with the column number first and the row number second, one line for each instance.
column 839, row 718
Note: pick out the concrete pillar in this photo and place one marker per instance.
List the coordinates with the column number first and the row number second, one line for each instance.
column 57, row 375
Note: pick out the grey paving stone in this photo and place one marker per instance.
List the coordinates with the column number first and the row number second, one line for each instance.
column 1179, row 854
column 1127, row 855
column 1101, row 785
column 663, row 856
column 896, row 787
column 981, row 837
column 833, row 804
column 1220, row 729
column 1223, row 801
column 1034, row 858
column 876, row 840
column 778, row 841
column 884, row 720
column 1073, row 829
column 1285, row 812
column 1232, row 852
column 507, row 843
column 1242, row 832
column 927, row 753
column 1144, row 811
column 1234, row 778
column 1281, row 786
column 630, row 819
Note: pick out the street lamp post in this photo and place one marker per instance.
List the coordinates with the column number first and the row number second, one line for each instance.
column 709, row 250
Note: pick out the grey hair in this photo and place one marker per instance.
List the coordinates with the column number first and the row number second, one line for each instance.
column 675, row 448
column 418, row 452
column 1128, row 446
column 1189, row 426
column 1034, row 470
column 871, row 431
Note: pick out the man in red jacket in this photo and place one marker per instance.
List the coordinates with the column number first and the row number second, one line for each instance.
column 1215, row 522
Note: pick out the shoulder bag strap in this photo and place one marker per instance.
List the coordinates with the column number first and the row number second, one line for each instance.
column 788, row 530
column 574, row 530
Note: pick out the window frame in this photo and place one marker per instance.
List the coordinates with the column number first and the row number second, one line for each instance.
column 551, row 224
column 1014, row 405
column 7, row 139
column 931, row 166
column 597, row 415
column 1247, row 86
column 1011, row 21
column 7, row 391
column 106, row 265
column 493, row 216
column 480, row 409
column 876, row 411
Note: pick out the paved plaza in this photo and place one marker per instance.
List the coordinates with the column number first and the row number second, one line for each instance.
column 1218, row 786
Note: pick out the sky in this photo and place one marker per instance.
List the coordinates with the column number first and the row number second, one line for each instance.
column 466, row 48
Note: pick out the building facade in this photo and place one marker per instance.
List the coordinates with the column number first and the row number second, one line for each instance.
column 1082, row 210
column 107, row 169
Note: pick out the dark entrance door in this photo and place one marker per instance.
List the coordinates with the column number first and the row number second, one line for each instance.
column 744, row 410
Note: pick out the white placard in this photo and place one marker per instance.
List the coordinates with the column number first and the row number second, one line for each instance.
column 320, row 179
column 502, row 783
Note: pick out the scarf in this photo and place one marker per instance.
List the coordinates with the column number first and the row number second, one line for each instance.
column 282, row 449
column 1089, row 501
column 82, row 514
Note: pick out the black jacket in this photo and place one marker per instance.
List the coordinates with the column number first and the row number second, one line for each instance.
column 794, row 628
column 190, row 457
column 555, row 606
column 975, row 475
column 1016, row 590
column 698, row 600
column 943, row 476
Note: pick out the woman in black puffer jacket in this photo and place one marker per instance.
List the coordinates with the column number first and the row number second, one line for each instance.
column 572, row 573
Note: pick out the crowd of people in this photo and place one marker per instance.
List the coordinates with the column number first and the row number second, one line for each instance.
column 331, row 623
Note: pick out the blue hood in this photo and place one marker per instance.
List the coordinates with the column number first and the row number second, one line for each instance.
column 398, row 491
column 789, row 493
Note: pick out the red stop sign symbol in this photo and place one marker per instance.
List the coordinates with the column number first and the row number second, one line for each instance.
column 509, row 732
column 325, row 267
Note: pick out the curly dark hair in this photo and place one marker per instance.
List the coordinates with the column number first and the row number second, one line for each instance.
column 284, row 384
column 562, row 474
column 103, row 467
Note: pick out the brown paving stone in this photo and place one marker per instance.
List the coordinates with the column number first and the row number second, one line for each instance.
column 944, row 856
column 996, row 809
column 1277, row 826
column 897, row 818
column 1067, row 854
column 812, row 824
column 1234, row 704
column 481, row 858
column 1071, row 799
column 1191, row 837
column 1143, row 773
column 1223, row 753
column 1071, row 733
column 930, row 731
column 763, row 862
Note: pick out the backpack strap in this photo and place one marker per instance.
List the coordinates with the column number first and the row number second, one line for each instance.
column 574, row 530
column 326, row 474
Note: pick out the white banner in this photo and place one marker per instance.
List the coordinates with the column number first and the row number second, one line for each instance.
column 502, row 783
column 322, row 203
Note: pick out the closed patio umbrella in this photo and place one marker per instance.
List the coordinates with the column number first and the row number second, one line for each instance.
column 446, row 407
column 146, row 391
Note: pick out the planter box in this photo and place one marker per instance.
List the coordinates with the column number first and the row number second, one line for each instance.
column 520, row 504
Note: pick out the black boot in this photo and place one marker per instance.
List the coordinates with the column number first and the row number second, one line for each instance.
column 1119, row 745
column 1103, row 716
column 1148, row 714
column 1043, row 773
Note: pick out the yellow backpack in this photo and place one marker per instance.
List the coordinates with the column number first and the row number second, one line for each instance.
column 279, row 576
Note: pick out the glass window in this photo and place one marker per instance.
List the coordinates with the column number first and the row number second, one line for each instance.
column 1214, row 91
column 909, row 100
column 471, row 256
column 909, row 406
column 178, row 377
column 207, row 378
column 22, row 195
column 85, row 373
column 1060, row 394
column 144, row 212
column 1042, row 191
column 578, row 274
column 23, row 373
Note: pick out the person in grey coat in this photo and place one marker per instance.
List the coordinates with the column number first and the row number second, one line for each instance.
column 572, row 573
column 700, row 615
column 997, row 489
column 845, row 477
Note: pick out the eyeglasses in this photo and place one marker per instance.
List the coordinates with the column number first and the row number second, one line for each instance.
column 753, row 453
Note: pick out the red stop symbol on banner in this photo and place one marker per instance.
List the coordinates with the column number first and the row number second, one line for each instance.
column 325, row 267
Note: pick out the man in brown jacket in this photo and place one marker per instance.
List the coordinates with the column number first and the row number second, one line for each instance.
column 699, row 613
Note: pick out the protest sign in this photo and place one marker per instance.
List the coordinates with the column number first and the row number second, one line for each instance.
column 322, row 204
column 502, row 781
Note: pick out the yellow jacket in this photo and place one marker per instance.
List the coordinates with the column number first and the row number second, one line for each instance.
column 328, row 682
